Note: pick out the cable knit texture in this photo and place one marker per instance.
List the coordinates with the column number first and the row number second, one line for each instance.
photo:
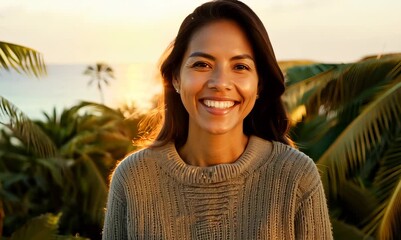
column 271, row 192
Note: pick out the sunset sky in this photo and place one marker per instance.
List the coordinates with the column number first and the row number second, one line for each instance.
column 129, row 31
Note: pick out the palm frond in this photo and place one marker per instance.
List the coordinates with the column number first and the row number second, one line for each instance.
column 356, row 211
column 41, row 227
column 298, row 93
column 26, row 130
column 357, row 83
column 96, row 196
column 385, row 185
column 77, row 142
column 344, row 231
column 389, row 169
column 391, row 222
column 285, row 65
column 349, row 150
column 300, row 73
column 92, row 106
column 21, row 59
column 381, row 56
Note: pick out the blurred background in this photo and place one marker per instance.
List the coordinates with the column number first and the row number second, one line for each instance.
column 77, row 76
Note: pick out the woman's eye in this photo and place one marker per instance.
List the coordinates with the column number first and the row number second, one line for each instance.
column 200, row 65
column 241, row 67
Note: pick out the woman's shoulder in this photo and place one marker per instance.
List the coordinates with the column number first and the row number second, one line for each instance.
column 304, row 169
column 291, row 159
column 291, row 153
column 135, row 162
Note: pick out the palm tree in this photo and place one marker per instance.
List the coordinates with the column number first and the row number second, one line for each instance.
column 349, row 121
column 22, row 60
column 101, row 73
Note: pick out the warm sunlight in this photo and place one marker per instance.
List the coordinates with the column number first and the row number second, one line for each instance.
column 297, row 114
column 79, row 88
column 135, row 31
column 138, row 87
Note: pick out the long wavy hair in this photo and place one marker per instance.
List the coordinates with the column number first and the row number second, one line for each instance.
column 268, row 118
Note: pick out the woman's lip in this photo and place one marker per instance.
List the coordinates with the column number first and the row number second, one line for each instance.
column 217, row 99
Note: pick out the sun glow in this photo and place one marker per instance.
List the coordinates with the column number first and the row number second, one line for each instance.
column 139, row 86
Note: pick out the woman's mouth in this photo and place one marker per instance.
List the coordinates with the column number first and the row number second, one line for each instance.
column 218, row 104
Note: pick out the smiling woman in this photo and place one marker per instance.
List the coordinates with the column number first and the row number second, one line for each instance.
column 218, row 83
column 221, row 165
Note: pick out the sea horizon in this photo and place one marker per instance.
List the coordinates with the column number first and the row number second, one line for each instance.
column 65, row 85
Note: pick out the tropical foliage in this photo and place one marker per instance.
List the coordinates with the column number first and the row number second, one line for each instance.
column 41, row 228
column 89, row 139
column 29, row 61
column 348, row 118
column 26, row 60
column 60, row 164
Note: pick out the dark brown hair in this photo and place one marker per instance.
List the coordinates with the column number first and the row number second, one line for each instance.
column 268, row 118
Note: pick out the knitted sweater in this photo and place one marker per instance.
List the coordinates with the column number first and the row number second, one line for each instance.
column 271, row 192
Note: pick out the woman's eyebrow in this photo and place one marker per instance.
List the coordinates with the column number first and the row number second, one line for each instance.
column 208, row 56
column 243, row 56
column 202, row 54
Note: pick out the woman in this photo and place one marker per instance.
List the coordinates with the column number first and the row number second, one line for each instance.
column 221, row 166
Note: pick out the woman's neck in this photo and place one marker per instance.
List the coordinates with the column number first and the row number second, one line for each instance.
column 209, row 149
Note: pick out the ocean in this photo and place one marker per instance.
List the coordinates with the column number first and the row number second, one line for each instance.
column 66, row 85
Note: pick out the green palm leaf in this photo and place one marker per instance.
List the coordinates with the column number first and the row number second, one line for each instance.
column 39, row 228
column 361, row 136
column 389, row 171
column 355, row 84
column 285, row 65
column 351, row 123
column 344, row 231
column 43, row 227
column 299, row 73
column 387, row 188
column 27, row 131
column 298, row 93
column 95, row 198
column 29, row 61
column 391, row 222
column 91, row 106
column 21, row 59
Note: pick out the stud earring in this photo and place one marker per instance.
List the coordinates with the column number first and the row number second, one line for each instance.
column 178, row 91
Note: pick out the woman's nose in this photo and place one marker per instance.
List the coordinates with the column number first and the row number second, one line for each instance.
column 220, row 80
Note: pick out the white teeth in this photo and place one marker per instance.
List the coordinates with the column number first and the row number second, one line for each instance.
column 218, row 104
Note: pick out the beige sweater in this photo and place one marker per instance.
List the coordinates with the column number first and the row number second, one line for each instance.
column 271, row 192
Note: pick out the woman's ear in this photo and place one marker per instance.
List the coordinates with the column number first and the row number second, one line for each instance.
column 176, row 84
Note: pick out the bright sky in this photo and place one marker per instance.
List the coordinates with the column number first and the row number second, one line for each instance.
column 127, row 31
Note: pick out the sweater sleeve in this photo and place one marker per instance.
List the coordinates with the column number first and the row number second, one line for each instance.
column 312, row 218
column 115, row 224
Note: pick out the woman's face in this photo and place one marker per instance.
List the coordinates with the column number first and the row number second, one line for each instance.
column 218, row 81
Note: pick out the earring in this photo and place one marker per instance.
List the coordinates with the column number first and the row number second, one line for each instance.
column 178, row 91
column 257, row 96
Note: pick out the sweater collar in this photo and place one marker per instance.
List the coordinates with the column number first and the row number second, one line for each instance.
column 256, row 153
